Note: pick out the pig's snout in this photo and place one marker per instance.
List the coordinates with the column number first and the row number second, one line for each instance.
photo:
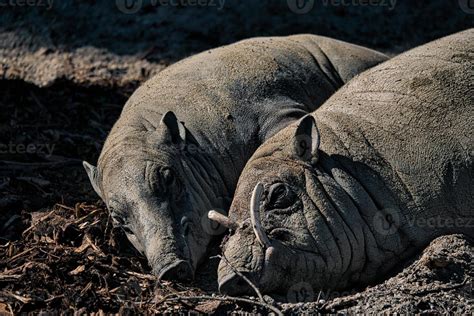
column 180, row 270
column 234, row 284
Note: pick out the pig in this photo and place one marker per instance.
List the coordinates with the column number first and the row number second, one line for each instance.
column 338, row 199
column 184, row 137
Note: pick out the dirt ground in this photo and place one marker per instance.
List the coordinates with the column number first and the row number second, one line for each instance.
column 65, row 74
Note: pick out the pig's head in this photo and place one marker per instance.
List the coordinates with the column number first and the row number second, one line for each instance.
column 274, row 217
column 157, row 185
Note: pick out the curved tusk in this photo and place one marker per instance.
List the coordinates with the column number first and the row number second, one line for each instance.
column 222, row 220
column 255, row 216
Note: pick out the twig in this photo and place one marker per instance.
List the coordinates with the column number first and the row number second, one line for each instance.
column 9, row 260
column 65, row 207
column 166, row 297
column 227, row 299
column 331, row 307
column 94, row 246
column 143, row 276
column 10, row 308
column 11, row 277
column 23, row 299
column 52, row 298
column 41, row 219
column 442, row 288
column 86, row 288
column 49, row 253
column 319, row 295
column 254, row 287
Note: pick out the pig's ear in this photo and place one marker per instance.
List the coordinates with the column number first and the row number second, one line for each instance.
column 93, row 177
column 174, row 129
column 306, row 140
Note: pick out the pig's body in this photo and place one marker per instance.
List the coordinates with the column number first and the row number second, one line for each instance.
column 226, row 102
column 390, row 169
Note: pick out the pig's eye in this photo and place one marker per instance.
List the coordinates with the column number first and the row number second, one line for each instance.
column 280, row 196
column 119, row 217
column 127, row 230
column 170, row 182
column 168, row 177
column 119, row 220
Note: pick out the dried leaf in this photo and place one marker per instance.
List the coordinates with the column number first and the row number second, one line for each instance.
column 208, row 307
column 4, row 310
column 78, row 270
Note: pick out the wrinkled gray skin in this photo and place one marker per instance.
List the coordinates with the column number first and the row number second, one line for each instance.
column 364, row 182
column 183, row 138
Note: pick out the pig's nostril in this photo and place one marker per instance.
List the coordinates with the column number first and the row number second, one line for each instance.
column 180, row 270
column 241, row 283
column 235, row 285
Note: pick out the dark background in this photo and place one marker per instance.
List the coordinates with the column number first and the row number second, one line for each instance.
column 172, row 29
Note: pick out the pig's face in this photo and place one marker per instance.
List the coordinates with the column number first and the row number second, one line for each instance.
column 159, row 193
column 275, row 216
